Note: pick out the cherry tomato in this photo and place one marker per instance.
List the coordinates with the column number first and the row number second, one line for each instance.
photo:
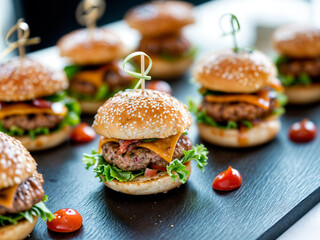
column 160, row 86
column 160, row 168
column 41, row 103
column 227, row 180
column 82, row 133
column 67, row 220
column 303, row 131
column 150, row 172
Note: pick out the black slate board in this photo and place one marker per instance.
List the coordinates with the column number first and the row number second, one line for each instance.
column 276, row 178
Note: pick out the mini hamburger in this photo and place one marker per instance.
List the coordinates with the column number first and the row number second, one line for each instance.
column 143, row 148
column 33, row 105
column 299, row 62
column 241, row 100
column 160, row 24
column 96, row 73
column 21, row 192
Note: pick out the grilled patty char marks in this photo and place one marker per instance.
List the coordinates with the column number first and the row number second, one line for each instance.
column 29, row 192
column 238, row 111
column 294, row 68
column 32, row 121
column 140, row 158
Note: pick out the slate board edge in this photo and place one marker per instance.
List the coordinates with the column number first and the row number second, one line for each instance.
column 292, row 217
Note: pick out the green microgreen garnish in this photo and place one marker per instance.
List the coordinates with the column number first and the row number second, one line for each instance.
column 235, row 28
column 144, row 73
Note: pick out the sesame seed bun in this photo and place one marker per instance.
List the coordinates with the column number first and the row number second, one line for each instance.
column 297, row 41
column 84, row 47
column 26, row 79
column 141, row 115
column 257, row 135
column 241, row 72
column 168, row 69
column 43, row 142
column 160, row 183
column 21, row 230
column 300, row 94
column 16, row 163
column 160, row 17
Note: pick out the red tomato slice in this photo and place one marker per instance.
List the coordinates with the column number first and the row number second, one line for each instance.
column 303, row 131
column 67, row 220
column 41, row 103
column 227, row 180
column 150, row 172
column 83, row 133
column 160, row 168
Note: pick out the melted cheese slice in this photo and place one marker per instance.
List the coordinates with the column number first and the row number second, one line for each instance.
column 23, row 108
column 7, row 196
column 164, row 147
column 92, row 76
column 276, row 85
column 261, row 100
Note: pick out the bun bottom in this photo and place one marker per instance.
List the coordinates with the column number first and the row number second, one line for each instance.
column 90, row 107
column 43, row 142
column 303, row 94
column 160, row 183
column 257, row 135
column 21, row 230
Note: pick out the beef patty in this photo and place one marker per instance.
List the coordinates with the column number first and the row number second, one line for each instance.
column 238, row 111
column 31, row 121
column 28, row 193
column 294, row 68
column 172, row 45
column 114, row 77
column 140, row 158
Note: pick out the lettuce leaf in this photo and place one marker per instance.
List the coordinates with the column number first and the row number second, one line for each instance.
column 105, row 171
column 37, row 210
column 109, row 172
column 72, row 70
column 198, row 153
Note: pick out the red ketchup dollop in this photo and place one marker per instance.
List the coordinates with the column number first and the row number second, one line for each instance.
column 67, row 220
column 160, row 86
column 228, row 180
column 303, row 131
column 83, row 133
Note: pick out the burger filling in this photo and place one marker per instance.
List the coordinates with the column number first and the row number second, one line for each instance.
column 298, row 71
column 39, row 116
column 235, row 111
column 97, row 82
column 168, row 47
column 131, row 157
column 24, row 201
column 124, row 160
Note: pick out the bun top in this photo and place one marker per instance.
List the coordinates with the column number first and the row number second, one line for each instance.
column 297, row 41
column 160, row 17
column 241, row 72
column 137, row 115
column 16, row 163
column 97, row 46
column 26, row 79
